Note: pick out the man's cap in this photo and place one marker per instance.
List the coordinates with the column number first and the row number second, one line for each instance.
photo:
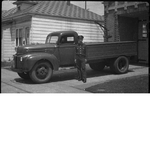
column 80, row 37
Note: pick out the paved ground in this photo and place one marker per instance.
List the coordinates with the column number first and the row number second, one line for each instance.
column 63, row 81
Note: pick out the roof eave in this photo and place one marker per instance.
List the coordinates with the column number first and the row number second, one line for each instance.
column 31, row 14
column 16, row 17
column 27, row 2
column 66, row 17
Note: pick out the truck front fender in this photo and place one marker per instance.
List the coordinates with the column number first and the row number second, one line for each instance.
column 35, row 57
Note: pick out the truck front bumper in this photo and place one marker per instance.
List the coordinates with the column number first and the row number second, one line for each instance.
column 19, row 70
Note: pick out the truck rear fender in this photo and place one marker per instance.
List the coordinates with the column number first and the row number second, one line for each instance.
column 114, row 58
column 33, row 59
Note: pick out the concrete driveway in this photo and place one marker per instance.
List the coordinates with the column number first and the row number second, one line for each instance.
column 64, row 80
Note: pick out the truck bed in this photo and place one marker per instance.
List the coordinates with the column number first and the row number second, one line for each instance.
column 104, row 50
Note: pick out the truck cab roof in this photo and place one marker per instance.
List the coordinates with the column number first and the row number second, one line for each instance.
column 64, row 33
column 63, row 37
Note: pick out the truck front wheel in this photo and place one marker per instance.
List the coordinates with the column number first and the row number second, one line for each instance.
column 41, row 72
column 97, row 66
column 120, row 65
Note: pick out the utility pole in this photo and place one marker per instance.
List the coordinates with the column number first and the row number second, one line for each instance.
column 68, row 3
column 85, row 5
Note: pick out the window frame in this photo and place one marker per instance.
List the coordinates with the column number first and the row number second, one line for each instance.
column 27, row 37
column 144, row 30
column 17, row 37
column 23, row 36
column 67, row 40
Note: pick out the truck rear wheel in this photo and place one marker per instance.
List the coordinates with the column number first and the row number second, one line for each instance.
column 97, row 66
column 41, row 72
column 24, row 75
column 120, row 65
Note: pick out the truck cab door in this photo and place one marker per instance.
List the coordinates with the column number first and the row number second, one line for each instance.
column 67, row 51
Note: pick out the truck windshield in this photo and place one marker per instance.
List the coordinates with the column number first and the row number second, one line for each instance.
column 52, row 39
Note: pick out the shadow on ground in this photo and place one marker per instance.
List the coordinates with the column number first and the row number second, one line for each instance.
column 140, row 64
column 72, row 74
column 69, row 74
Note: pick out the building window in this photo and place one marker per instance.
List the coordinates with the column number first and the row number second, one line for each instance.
column 22, row 36
column 111, row 4
column 144, row 30
column 18, row 7
column 18, row 37
column 27, row 33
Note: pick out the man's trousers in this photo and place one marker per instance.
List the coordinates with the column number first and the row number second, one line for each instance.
column 81, row 68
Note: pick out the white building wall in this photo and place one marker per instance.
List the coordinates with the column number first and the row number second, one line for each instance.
column 7, row 44
column 9, row 39
column 41, row 27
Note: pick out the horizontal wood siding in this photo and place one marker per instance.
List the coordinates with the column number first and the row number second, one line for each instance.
column 7, row 45
column 41, row 27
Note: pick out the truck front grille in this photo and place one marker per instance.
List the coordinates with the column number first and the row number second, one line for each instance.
column 15, row 61
column 18, row 64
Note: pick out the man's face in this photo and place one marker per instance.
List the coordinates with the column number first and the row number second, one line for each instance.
column 80, row 40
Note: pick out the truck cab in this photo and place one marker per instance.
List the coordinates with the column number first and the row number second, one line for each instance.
column 39, row 61
column 66, row 42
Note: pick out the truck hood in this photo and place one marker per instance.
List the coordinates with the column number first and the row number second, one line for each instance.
column 35, row 48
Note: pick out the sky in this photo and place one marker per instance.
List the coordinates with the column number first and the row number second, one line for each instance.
column 94, row 6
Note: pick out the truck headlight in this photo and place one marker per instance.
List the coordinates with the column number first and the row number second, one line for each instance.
column 22, row 58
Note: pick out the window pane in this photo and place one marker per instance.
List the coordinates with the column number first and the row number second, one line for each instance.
column 16, row 41
column 71, row 39
column 27, row 41
column 27, row 35
column 16, row 33
column 144, row 31
column 20, row 41
column 20, row 32
column 27, row 32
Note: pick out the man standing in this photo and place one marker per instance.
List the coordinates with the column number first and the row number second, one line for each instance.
column 80, row 59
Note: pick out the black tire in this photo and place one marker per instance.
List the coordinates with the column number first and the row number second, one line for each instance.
column 120, row 65
column 97, row 66
column 24, row 75
column 41, row 72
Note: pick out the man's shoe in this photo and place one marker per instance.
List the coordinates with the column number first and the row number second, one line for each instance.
column 78, row 78
column 84, row 80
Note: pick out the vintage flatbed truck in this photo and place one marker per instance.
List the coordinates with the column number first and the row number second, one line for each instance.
column 38, row 61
